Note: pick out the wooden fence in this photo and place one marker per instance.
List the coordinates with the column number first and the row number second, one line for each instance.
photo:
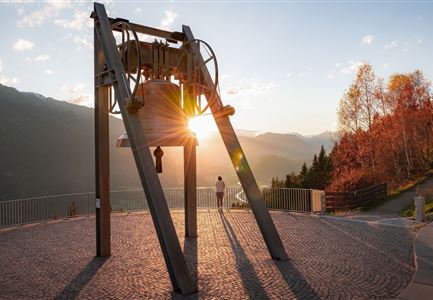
column 346, row 201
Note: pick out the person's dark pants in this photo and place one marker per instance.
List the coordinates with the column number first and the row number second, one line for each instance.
column 220, row 196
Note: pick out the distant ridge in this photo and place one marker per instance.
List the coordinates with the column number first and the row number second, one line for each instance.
column 47, row 147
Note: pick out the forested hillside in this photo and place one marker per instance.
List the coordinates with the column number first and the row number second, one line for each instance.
column 386, row 130
column 47, row 147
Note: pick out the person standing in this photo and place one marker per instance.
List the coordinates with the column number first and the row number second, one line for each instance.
column 220, row 189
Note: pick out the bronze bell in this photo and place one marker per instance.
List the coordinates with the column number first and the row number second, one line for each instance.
column 162, row 116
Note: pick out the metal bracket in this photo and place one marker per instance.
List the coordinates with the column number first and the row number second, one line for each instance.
column 105, row 78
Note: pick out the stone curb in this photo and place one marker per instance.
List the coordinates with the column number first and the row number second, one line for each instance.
column 421, row 287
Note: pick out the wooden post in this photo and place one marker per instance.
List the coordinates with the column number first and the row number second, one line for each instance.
column 102, row 161
column 190, row 171
column 190, row 181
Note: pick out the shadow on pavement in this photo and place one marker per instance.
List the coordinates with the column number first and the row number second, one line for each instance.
column 251, row 282
column 296, row 281
column 72, row 290
column 190, row 251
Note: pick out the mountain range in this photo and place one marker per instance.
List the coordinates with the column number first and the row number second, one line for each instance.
column 47, row 147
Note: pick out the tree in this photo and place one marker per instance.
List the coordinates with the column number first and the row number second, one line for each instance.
column 293, row 181
column 386, row 131
column 303, row 173
column 316, row 176
column 277, row 182
column 319, row 174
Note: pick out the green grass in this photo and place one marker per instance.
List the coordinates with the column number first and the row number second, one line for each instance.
column 404, row 187
column 409, row 211
column 410, row 184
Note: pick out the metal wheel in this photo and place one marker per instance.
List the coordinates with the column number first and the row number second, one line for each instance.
column 199, row 62
column 129, row 49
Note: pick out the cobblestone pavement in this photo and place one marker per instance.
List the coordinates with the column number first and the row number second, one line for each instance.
column 329, row 258
column 375, row 219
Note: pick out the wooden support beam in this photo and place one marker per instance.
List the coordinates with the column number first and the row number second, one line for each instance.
column 190, row 170
column 102, row 161
column 190, row 182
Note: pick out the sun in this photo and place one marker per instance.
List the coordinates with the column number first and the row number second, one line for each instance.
column 202, row 126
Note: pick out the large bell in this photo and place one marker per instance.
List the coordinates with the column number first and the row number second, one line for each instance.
column 162, row 117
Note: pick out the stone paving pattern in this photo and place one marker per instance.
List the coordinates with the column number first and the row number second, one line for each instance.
column 329, row 259
column 421, row 287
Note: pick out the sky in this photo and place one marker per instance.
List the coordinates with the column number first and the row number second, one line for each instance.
column 284, row 66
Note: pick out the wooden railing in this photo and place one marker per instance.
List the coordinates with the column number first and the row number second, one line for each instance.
column 347, row 201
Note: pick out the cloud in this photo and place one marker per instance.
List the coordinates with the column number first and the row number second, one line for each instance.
column 7, row 80
column 244, row 92
column 225, row 77
column 20, row 11
column 77, row 94
column 300, row 74
column 385, row 66
column 167, row 21
column 137, row 10
column 392, row 45
column 79, row 21
column 22, row 45
column 80, row 100
column 331, row 72
column 79, row 87
column 48, row 11
column 404, row 46
column 49, row 72
column 17, row 1
column 82, row 41
column 368, row 40
column 351, row 67
column 42, row 57
column 165, row 24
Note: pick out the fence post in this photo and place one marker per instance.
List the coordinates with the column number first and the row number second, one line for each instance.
column 317, row 204
column 419, row 209
column 333, row 206
column 21, row 213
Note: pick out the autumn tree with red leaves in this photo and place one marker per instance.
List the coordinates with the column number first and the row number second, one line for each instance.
column 386, row 132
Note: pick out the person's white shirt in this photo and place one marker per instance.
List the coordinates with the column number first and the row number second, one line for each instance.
column 220, row 186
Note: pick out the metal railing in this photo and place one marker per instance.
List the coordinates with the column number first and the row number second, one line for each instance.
column 288, row 199
column 37, row 209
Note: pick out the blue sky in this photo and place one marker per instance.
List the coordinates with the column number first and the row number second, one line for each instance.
column 284, row 66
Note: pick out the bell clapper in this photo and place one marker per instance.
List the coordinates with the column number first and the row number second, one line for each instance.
column 158, row 155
